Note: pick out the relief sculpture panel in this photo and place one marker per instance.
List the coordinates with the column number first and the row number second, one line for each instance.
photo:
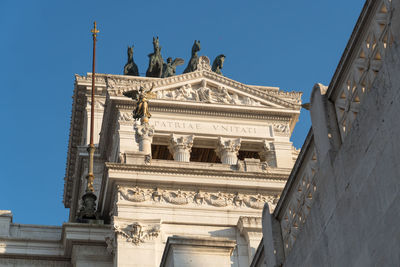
column 197, row 198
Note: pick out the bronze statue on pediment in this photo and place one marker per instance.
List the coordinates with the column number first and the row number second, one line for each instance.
column 194, row 60
column 218, row 64
column 169, row 68
column 156, row 61
column 130, row 67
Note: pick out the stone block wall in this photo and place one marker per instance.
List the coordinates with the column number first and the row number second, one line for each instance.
column 356, row 208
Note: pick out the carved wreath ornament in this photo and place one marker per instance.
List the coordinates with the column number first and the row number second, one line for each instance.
column 137, row 233
column 199, row 198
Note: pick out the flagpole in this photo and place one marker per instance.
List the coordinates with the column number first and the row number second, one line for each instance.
column 87, row 213
column 91, row 145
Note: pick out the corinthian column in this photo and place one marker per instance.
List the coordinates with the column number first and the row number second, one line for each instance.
column 267, row 154
column 228, row 150
column 144, row 134
column 180, row 147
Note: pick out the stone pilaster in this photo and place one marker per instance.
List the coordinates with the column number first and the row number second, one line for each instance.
column 228, row 150
column 180, row 147
column 267, row 154
column 144, row 133
column 251, row 229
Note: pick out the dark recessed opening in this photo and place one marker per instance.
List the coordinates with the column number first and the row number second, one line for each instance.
column 204, row 155
column 248, row 154
column 160, row 152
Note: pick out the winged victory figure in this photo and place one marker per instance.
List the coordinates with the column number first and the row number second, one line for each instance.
column 141, row 96
column 169, row 68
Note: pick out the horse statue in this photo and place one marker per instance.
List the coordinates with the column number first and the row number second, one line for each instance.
column 218, row 64
column 192, row 65
column 169, row 68
column 155, row 61
column 130, row 67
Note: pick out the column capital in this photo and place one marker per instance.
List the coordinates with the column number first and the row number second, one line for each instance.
column 228, row 149
column 144, row 130
column 228, row 144
column 180, row 146
column 144, row 134
column 267, row 154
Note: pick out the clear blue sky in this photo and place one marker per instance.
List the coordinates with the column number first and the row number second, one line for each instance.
column 291, row 44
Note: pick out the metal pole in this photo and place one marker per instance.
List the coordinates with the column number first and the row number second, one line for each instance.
column 92, row 148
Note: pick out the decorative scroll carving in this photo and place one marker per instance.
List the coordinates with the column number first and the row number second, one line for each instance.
column 138, row 233
column 197, row 198
column 281, row 129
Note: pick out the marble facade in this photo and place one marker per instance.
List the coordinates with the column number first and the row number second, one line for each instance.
column 195, row 179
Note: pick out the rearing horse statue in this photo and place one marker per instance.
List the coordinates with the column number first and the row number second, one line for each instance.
column 155, row 61
column 218, row 64
column 192, row 65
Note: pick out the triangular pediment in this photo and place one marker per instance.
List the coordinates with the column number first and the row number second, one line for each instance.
column 205, row 86
column 207, row 90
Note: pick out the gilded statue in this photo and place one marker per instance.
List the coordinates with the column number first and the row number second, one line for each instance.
column 141, row 96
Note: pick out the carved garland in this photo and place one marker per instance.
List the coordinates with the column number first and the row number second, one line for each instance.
column 137, row 233
column 197, row 198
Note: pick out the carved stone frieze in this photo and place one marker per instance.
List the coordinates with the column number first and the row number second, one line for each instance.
column 197, row 198
column 137, row 233
column 134, row 195
column 115, row 82
column 207, row 94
